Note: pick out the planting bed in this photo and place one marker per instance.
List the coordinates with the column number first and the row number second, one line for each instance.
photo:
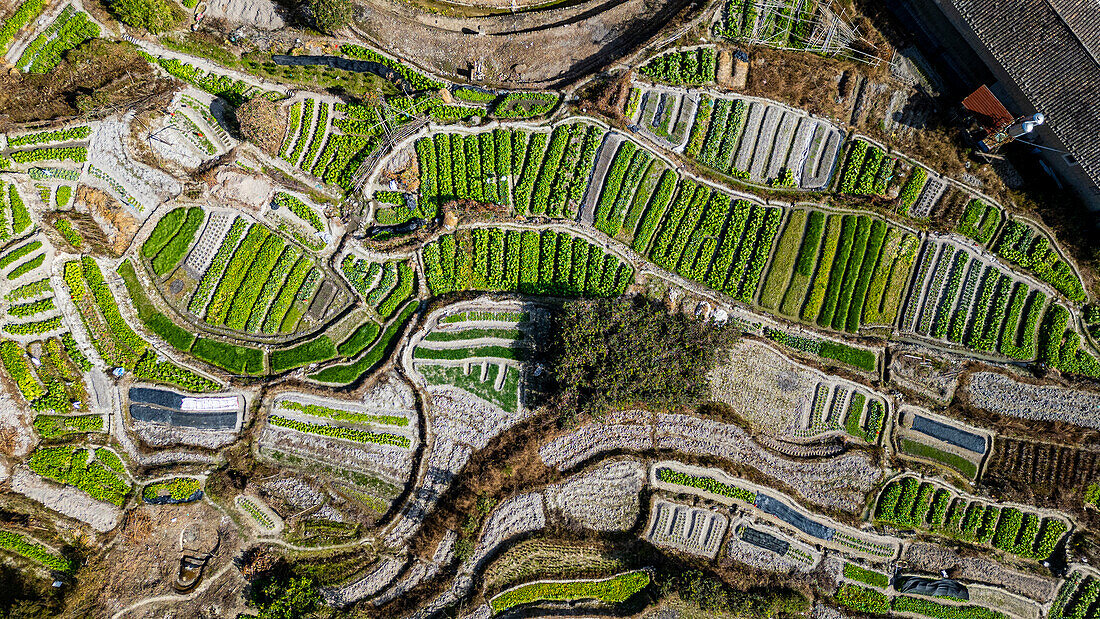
column 529, row 262
column 764, row 142
column 605, row 499
column 1003, row 395
column 693, row 530
column 909, row 503
column 963, row 299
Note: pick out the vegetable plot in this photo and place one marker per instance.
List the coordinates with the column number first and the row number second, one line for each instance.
column 528, row 262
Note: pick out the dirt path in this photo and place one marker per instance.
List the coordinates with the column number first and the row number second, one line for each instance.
column 539, row 48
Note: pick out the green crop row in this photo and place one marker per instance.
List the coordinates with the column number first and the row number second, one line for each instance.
column 69, row 30
column 339, row 414
column 18, row 368
column 234, row 359
column 340, row 432
column 25, row 14
column 707, row 484
column 1022, row 245
column 909, row 503
column 313, row 351
column 56, row 426
column 34, row 327
column 26, row 267
column 20, row 217
column 213, row 274
column 345, row 374
column 18, row 253
column 175, row 248
column 69, row 464
column 550, row 263
column 910, row 191
column 28, row 290
column 65, row 228
column 69, row 134
column 166, row 372
column 691, row 67
column 862, row 599
column 415, row 79
column 177, row 489
column 980, row 221
column 866, row 576
column 525, row 104
column 299, row 208
column 458, row 354
column 75, row 153
column 20, row 545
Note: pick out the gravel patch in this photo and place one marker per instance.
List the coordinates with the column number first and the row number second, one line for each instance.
column 107, row 152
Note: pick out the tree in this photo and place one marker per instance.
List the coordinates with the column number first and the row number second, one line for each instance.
column 292, row 600
column 156, row 16
column 615, row 352
column 331, row 15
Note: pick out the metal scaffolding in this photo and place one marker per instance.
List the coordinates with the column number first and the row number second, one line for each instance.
column 812, row 25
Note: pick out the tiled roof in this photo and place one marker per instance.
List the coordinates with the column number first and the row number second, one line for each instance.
column 1051, row 49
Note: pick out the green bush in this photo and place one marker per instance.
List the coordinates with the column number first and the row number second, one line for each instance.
column 233, row 359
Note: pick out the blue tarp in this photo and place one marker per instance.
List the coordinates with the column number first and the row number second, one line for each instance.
column 949, row 434
column 794, row 518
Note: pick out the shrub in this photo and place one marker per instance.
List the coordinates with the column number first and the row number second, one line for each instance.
column 262, row 123
column 862, row 599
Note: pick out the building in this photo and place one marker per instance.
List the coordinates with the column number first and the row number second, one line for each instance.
column 1045, row 55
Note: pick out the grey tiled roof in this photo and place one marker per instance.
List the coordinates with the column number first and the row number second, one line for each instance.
column 1051, row 49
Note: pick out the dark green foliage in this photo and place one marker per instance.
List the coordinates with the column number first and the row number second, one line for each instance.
column 156, row 16
column 319, row 349
column 234, row 359
column 609, row 353
column 176, row 247
column 178, row 337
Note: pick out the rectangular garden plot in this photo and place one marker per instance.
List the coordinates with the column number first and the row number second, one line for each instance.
column 693, row 530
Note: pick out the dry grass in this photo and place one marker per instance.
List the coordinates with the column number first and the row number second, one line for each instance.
column 97, row 77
